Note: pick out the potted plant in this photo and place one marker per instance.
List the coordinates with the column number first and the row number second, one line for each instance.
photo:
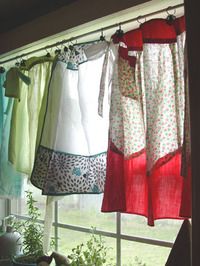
column 31, row 235
column 94, row 252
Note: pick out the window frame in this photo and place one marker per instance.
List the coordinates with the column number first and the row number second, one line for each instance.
column 117, row 235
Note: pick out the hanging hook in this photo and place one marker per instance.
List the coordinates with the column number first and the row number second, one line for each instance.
column 76, row 52
column 71, row 46
column 170, row 8
column 58, row 50
column 102, row 37
column 22, row 62
column 119, row 33
column 2, row 70
column 17, row 64
column 171, row 17
column 139, row 20
column 48, row 54
column 64, row 47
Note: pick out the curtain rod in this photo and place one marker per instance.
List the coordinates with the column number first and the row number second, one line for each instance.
column 92, row 32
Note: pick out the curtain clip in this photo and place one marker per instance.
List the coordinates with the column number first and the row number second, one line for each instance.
column 47, row 52
column 119, row 33
column 58, row 50
column 170, row 16
column 102, row 37
column 2, row 69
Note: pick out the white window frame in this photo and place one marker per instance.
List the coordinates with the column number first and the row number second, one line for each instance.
column 117, row 235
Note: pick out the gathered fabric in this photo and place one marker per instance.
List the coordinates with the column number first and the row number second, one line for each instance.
column 71, row 157
column 147, row 117
column 102, row 116
column 25, row 120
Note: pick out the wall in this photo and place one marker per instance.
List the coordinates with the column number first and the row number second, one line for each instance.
column 193, row 42
column 67, row 17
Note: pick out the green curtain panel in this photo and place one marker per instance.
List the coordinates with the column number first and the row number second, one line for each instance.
column 26, row 113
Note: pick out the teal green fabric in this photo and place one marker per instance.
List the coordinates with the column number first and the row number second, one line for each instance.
column 11, row 182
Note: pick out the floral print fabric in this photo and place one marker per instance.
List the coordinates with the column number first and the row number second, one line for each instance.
column 74, row 174
column 147, row 116
column 164, row 101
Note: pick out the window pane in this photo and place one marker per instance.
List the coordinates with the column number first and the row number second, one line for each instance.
column 134, row 253
column 85, row 210
column 2, row 208
column 69, row 239
column 136, row 225
column 19, row 206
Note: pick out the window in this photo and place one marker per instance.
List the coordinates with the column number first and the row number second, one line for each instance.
column 129, row 237
column 131, row 240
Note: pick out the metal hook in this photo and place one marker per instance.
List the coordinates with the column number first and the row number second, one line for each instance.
column 48, row 54
column 119, row 33
column 65, row 49
column 170, row 17
column 73, row 41
column 139, row 18
column 17, row 64
column 22, row 61
column 2, row 69
column 75, row 50
column 71, row 46
column 170, row 8
column 58, row 50
column 102, row 37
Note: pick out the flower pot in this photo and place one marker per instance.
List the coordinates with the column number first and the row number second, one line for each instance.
column 10, row 243
column 17, row 261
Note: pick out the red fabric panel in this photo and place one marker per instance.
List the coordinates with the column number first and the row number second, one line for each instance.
column 152, row 31
column 158, row 31
column 132, row 61
column 133, row 40
column 166, row 186
column 116, row 39
column 115, row 187
column 179, row 25
column 123, row 52
column 128, row 189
